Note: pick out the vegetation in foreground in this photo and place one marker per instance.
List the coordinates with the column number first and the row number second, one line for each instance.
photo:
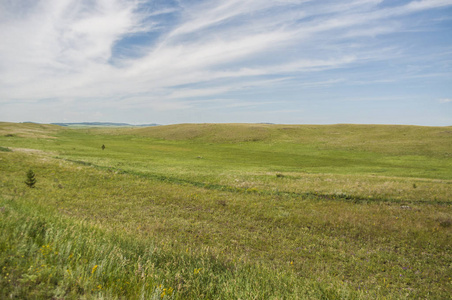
column 226, row 212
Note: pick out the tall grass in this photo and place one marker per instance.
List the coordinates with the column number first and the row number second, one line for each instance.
column 44, row 256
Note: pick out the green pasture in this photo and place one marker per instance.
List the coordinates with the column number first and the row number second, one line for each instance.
column 226, row 211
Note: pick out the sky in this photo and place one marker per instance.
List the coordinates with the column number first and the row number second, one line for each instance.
column 226, row 61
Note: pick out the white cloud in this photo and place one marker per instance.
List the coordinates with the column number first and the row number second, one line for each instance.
column 427, row 4
column 445, row 100
column 64, row 49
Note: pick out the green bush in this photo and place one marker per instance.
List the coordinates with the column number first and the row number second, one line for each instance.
column 31, row 180
column 5, row 149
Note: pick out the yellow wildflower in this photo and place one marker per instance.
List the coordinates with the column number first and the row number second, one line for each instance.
column 196, row 271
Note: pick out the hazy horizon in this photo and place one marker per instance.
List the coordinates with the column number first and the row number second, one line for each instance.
column 113, row 124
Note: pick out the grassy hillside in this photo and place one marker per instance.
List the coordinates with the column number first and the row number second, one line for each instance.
column 226, row 211
column 390, row 139
column 28, row 130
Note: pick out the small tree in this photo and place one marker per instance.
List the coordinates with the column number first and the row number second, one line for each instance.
column 31, row 180
column 103, row 147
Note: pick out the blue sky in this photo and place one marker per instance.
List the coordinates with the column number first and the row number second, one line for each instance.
column 247, row 61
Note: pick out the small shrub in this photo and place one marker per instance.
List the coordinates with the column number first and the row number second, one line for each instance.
column 222, row 202
column 5, row 149
column 445, row 223
column 279, row 175
column 31, row 180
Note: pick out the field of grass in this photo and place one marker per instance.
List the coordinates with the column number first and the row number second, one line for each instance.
column 226, row 211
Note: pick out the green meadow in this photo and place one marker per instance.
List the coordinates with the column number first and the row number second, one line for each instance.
column 226, row 211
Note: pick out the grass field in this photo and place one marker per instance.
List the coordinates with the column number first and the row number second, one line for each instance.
column 226, row 211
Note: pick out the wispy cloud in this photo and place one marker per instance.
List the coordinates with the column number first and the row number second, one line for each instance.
column 445, row 100
column 67, row 49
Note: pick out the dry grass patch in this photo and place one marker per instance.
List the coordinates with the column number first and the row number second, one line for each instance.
column 29, row 130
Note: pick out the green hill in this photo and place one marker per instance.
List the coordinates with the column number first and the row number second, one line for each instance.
column 29, row 130
column 391, row 139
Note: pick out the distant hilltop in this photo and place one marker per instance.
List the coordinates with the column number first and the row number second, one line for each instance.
column 104, row 124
